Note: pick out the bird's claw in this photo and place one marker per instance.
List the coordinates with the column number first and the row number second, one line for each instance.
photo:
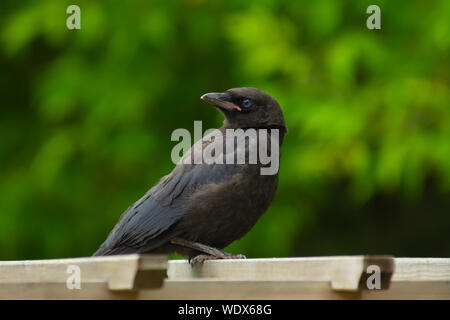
column 200, row 259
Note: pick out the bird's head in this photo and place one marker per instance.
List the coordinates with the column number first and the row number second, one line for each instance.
column 247, row 108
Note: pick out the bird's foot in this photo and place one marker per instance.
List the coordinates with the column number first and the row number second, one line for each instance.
column 201, row 258
column 225, row 255
column 209, row 253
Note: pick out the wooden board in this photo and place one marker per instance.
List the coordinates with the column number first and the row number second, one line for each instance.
column 343, row 273
column 112, row 273
column 152, row 277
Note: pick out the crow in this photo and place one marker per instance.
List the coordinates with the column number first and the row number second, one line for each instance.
column 200, row 208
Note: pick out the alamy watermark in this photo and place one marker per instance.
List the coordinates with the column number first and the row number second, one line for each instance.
column 374, row 280
column 374, row 20
column 74, row 20
column 74, row 279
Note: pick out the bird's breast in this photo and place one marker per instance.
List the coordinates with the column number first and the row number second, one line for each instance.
column 223, row 210
column 220, row 213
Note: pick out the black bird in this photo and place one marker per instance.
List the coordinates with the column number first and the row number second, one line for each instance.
column 198, row 209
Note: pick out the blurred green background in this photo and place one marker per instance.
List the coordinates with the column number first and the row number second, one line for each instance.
column 86, row 117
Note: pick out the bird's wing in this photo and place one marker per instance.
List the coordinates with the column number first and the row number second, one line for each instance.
column 145, row 225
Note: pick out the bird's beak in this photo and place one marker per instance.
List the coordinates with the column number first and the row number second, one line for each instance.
column 221, row 100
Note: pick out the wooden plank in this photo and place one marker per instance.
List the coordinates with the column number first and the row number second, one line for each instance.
column 58, row 291
column 290, row 290
column 232, row 290
column 141, row 277
column 124, row 272
column 422, row 269
column 344, row 273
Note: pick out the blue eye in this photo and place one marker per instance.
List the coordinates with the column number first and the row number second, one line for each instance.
column 247, row 103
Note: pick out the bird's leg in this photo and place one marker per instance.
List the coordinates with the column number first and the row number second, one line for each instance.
column 211, row 253
column 199, row 247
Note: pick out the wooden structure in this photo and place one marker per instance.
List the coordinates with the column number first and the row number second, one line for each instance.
column 153, row 277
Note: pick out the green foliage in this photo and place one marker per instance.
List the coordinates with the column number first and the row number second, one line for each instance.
column 86, row 117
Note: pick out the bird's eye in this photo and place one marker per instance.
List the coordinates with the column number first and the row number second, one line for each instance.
column 247, row 103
